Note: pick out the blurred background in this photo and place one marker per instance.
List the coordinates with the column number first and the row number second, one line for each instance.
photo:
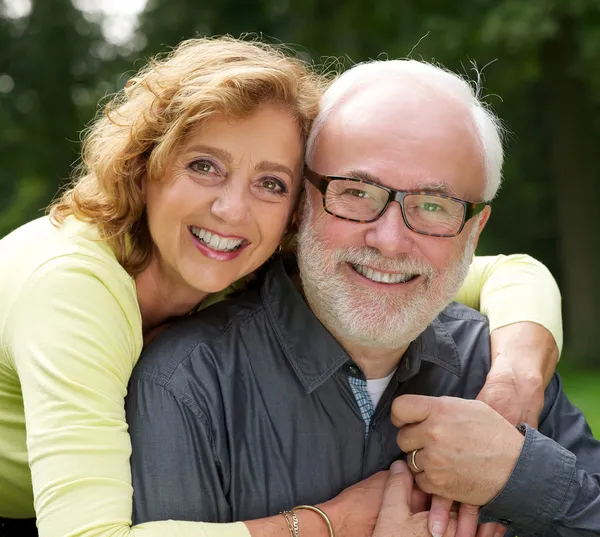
column 541, row 74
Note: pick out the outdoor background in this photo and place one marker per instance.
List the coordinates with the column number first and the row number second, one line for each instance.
column 58, row 58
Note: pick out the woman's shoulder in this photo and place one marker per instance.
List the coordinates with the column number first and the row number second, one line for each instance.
column 41, row 257
column 68, row 244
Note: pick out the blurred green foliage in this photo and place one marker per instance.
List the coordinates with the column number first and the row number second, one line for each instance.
column 582, row 388
column 542, row 76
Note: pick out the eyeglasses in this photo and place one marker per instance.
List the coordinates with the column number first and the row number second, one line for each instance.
column 427, row 213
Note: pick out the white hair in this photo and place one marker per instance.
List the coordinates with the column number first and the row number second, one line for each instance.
column 487, row 124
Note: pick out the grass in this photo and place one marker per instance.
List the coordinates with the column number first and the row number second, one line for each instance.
column 583, row 390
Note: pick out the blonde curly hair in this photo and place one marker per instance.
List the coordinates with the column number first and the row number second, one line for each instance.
column 145, row 121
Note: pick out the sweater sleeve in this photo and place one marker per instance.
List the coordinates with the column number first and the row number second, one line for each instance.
column 511, row 289
column 74, row 335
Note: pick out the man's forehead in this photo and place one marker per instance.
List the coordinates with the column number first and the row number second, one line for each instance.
column 407, row 137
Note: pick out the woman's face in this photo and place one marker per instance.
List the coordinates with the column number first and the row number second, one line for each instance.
column 226, row 198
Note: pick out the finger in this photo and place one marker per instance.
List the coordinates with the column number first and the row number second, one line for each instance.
column 411, row 437
column 411, row 409
column 467, row 520
column 395, row 506
column 500, row 530
column 420, row 501
column 487, row 530
column 439, row 515
column 398, row 492
column 423, row 483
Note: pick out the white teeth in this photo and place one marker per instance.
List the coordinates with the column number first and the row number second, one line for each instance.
column 215, row 241
column 382, row 277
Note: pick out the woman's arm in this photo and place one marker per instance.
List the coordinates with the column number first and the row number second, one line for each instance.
column 511, row 289
column 74, row 336
column 523, row 304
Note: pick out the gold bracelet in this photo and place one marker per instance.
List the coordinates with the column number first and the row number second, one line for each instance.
column 292, row 524
column 321, row 513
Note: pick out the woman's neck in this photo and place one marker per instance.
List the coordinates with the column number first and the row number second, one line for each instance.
column 163, row 295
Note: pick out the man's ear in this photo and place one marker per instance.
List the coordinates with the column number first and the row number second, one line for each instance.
column 483, row 218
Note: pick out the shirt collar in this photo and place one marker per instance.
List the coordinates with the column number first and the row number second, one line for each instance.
column 314, row 354
column 434, row 345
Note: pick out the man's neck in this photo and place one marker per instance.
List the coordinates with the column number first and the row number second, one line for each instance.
column 375, row 363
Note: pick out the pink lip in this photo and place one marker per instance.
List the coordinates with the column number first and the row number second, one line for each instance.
column 380, row 285
column 214, row 254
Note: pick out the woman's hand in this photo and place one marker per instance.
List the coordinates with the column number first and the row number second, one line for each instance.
column 396, row 518
column 354, row 511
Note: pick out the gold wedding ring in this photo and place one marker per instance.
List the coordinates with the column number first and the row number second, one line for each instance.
column 413, row 464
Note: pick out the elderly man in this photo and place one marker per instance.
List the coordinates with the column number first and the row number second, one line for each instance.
column 284, row 395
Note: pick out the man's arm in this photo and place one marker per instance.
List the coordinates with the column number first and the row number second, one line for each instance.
column 554, row 488
column 543, row 483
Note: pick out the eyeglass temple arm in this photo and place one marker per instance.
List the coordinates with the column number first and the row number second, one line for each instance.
column 318, row 180
column 473, row 209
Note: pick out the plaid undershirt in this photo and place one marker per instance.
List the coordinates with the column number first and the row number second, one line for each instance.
column 363, row 400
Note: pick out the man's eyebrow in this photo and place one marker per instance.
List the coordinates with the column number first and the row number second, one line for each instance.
column 440, row 187
column 361, row 174
column 269, row 166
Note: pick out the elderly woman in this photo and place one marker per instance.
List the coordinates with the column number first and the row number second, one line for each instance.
column 187, row 185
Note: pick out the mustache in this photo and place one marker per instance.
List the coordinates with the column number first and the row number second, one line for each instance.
column 372, row 257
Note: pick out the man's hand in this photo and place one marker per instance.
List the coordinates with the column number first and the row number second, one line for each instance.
column 396, row 518
column 524, row 356
column 467, row 451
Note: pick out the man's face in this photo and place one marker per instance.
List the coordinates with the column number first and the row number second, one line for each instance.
column 380, row 284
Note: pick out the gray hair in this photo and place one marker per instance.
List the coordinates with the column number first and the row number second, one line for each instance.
column 488, row 126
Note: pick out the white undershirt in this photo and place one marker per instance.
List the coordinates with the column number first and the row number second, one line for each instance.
column 376, row 387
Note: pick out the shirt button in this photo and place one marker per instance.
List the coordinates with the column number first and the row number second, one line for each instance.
column 353, row 370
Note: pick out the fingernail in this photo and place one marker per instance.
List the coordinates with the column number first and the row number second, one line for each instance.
column 399, row 467
column 437, row 529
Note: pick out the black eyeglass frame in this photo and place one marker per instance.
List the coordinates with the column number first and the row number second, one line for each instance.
column 321, row 183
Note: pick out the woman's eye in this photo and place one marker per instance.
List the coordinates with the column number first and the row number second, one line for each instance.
column 273, row 185
column 203, row 166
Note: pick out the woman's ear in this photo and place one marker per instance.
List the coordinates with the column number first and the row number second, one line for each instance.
column 141, row 184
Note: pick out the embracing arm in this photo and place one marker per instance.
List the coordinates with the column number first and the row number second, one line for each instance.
column 523, row 304
column 73, row 339
column 177, row 472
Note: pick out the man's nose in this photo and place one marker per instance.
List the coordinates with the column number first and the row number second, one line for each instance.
column 232, row 204
column 389, row 234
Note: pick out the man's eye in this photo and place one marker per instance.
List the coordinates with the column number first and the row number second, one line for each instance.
column 203, row 166
column 357, row 193
column 431, row 207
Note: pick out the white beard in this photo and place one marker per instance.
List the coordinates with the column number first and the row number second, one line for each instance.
column 385, row 320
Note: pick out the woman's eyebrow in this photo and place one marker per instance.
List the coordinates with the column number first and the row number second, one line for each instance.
column 221, row 154
column 270, row 166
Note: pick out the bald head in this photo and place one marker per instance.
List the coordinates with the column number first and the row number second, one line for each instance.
column 411, row 103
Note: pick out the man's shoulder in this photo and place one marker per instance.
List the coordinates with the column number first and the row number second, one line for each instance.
column 203, row 344
column 469, row 333
column 455, row 312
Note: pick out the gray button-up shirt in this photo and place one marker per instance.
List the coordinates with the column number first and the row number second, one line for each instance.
column 245, row 409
